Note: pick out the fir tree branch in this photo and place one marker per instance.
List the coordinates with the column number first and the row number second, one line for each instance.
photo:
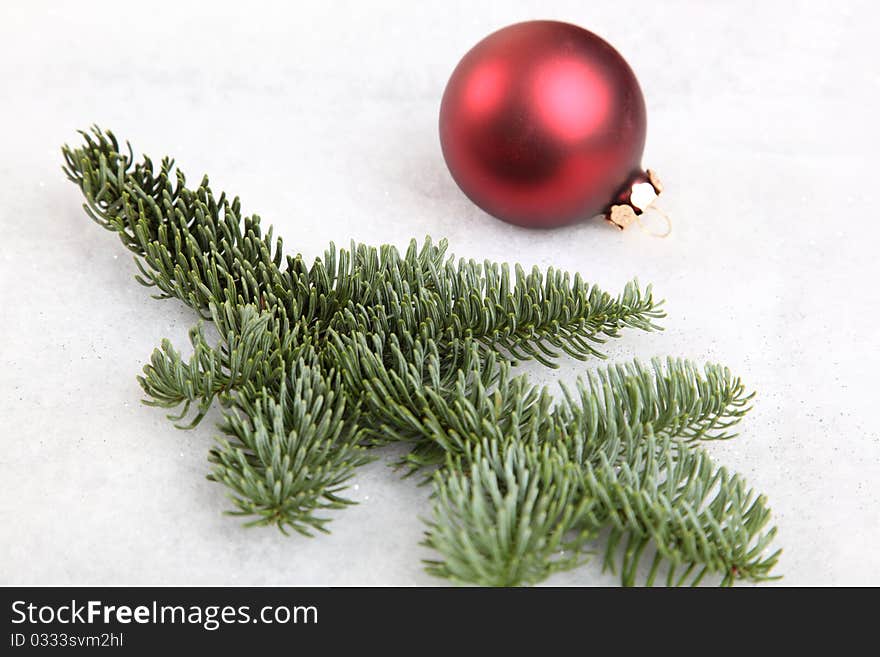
column 246, row 351
column 649, row 491
column 373, row 345
column 699, row 519
column 288, row 458
column 507, row 517
column 200, row 249
column 676, row 400
column 541, row 315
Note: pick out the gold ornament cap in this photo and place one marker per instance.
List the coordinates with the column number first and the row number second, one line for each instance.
column 639, row 195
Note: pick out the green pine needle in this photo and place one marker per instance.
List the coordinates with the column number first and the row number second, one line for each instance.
column 315, row 363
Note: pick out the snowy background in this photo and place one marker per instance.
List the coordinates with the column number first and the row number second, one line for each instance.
column 323, row 117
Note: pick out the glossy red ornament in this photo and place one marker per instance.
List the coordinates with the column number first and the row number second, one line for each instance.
column 543, row 123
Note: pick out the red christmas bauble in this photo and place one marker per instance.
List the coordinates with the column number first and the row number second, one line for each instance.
column 543, row 123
